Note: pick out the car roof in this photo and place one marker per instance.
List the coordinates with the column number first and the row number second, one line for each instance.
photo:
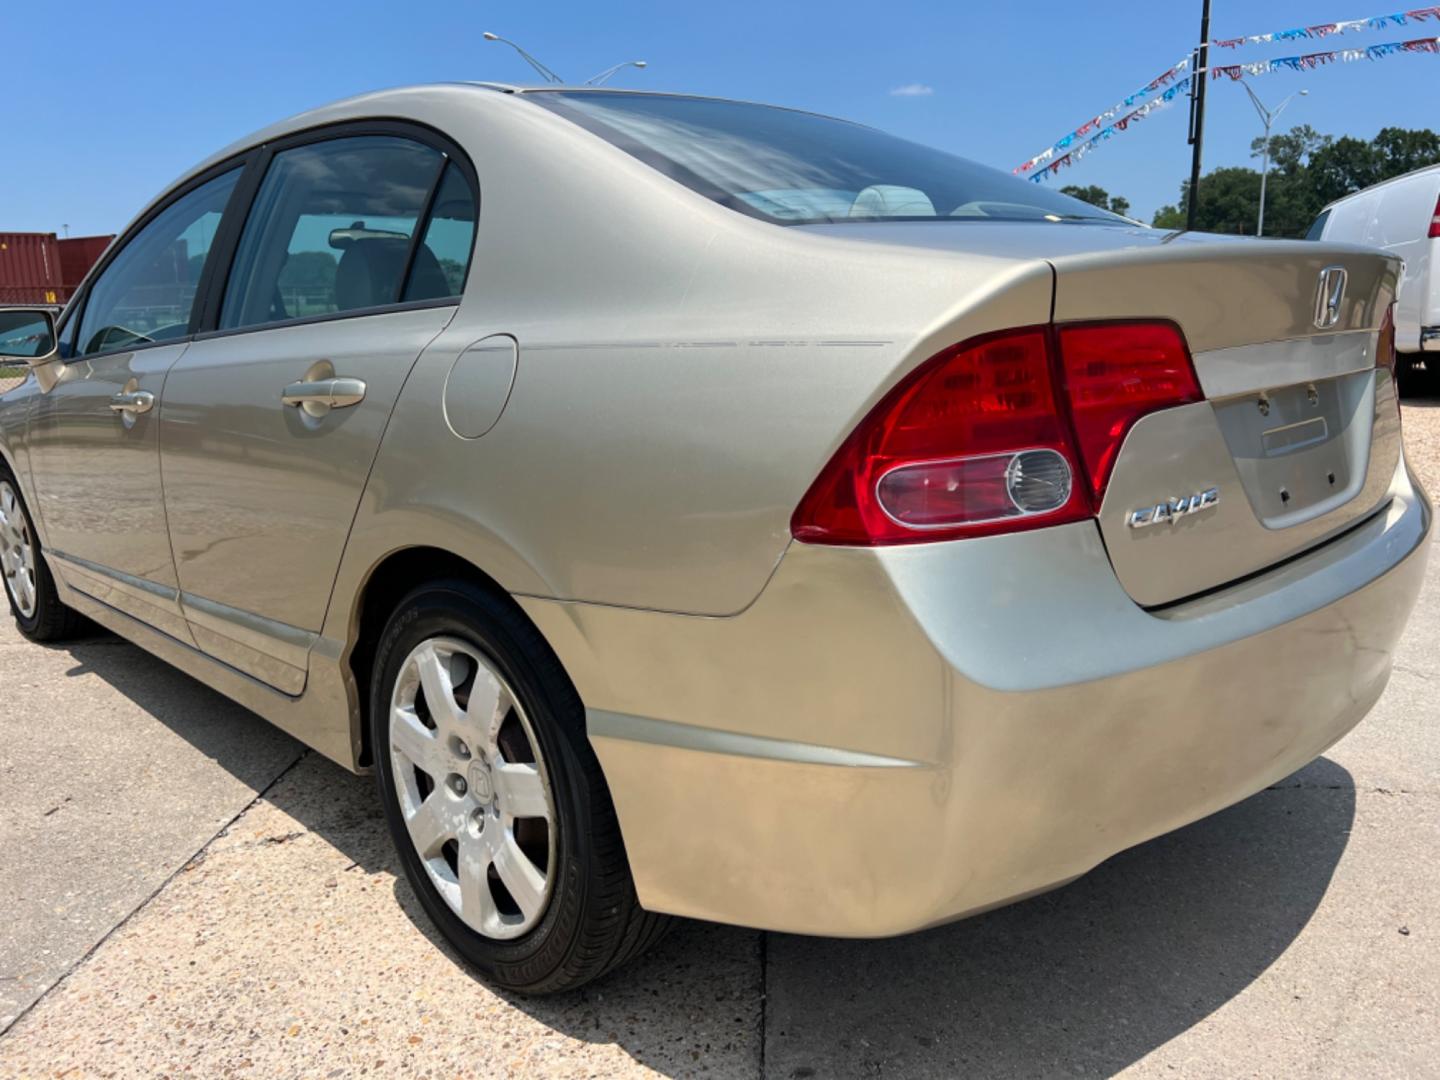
column 375, row 103
column 400, row 101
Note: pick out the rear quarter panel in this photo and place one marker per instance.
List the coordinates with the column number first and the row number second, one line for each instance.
column 683, row 374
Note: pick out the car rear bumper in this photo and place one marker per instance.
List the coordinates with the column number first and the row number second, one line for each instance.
column 888, row 739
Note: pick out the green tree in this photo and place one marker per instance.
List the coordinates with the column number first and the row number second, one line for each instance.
column 1344, row 166
column 1173, row 217
column 1404, row 150
column 454, row 274
column 1290, row 152
column 1308, row 170
column 1095, row 195
column 308, row 269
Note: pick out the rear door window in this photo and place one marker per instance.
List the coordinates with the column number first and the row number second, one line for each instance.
column 443, row 258
column 1318, row 229
column 331, row 229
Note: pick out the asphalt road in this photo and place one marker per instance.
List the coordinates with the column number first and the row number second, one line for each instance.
column 185, row 890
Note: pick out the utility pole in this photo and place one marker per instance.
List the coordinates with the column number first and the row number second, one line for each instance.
column 1199, row 71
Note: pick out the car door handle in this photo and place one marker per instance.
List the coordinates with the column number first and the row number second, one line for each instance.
column 337, row 393
column 135, row 402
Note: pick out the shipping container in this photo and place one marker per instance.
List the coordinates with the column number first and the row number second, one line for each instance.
column 77, row 255
column 30, row 269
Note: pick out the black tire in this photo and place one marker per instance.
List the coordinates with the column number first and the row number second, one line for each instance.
column 1416, row 376
column 51, row 620
column 593, row 922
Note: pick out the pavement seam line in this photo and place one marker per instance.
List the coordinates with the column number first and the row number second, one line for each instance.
column 143, row 904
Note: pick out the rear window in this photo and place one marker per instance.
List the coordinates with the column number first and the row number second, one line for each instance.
column 1318, row 229
column 798, row 168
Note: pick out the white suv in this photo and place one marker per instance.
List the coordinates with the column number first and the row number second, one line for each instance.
column 1403, row 217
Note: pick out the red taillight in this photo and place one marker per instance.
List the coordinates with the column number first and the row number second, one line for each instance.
column 1115, row 373
column 1435, row 222
column 983, row 437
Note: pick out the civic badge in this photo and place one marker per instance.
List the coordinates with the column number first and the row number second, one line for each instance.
column 1172, row 510
column 1329, row 296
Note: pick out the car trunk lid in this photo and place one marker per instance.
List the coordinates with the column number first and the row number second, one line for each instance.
column 1298, row 438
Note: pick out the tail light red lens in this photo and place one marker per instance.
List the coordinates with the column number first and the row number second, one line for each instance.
column 931, row 460
column 1115, row 373
column 1434, row 233
column 990, row 436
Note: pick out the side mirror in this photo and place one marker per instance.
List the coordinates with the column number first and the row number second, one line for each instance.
column 27, row 336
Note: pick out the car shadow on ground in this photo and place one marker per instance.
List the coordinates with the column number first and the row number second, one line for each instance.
column 1088, row 978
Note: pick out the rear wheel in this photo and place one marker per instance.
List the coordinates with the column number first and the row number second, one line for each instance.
column 29, row 587
column 494, row 798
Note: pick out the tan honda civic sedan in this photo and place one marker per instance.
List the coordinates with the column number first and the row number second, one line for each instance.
column 690, row 507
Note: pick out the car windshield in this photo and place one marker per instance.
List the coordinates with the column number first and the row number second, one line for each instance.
column 798, row 168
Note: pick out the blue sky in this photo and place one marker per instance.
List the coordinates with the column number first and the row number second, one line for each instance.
column 105, row 103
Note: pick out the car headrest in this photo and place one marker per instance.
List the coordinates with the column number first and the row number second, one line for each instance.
column 427, row 279
column 369, row 272
column 892, row 200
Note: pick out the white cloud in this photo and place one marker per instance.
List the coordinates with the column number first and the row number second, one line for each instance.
column 913, row 89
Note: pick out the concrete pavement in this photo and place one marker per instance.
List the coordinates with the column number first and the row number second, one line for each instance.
column 114, row 771
column 1295, row 934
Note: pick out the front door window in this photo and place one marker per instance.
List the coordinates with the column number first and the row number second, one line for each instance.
column 147, row 292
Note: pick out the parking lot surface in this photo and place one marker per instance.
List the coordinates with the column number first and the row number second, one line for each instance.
column 186, row 891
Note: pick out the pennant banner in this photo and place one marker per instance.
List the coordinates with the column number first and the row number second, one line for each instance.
column 1320, row 30
column 1374, row 22
column 1098, row 122
column 1308, row 62
column 1079, row 150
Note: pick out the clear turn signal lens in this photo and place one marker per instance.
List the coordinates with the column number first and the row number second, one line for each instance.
column 976, row 490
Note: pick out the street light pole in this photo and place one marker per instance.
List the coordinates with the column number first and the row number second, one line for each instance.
column 543, row 71
column 1267, row 117
column 596, row 80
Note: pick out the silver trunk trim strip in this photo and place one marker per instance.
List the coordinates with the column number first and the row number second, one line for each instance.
column 1245, row 369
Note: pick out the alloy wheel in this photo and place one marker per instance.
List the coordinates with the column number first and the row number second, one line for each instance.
column 17, row 552
column 472, row 788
